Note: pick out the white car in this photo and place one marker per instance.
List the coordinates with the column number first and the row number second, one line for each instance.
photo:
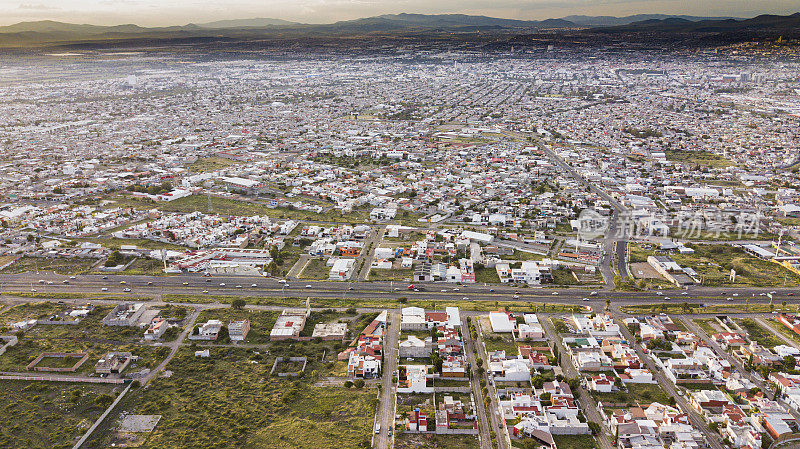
column 554, row 293
column 104, row 289
column 308, row 285
column 254, row 285
column 126, row 290
column 585, row 299
column 222, row 284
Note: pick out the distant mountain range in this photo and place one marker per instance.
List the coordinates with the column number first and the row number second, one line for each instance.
column 50, row 32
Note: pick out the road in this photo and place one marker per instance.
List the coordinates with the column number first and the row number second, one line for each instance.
column 483, row 427
column 173, row 347
column 697, row 421
column 197, row 285
column 388, row 395
column 367, row 255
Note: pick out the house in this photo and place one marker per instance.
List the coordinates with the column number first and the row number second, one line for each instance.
column 157, row 328
column 342, row 269
column 501, row 322
column 417, row 421
column 290, row 323
column 413, row 319
column 531, row 329
column 209, row 331
column 237, row 330
column 510, row 370
column 330, row 331
column 125, row 314
column 413, row 379
column 601, row 383
column 415, row 347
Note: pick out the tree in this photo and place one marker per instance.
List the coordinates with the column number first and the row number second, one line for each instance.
column 359, row 383
column 348, row 384
column 238, row 303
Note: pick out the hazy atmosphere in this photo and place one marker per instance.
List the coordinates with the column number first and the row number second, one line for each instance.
column 180, row 12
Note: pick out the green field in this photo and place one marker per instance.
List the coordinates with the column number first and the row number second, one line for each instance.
column 637, row 394
column 702, row 158
column 433, row 441
column 60, row 265
column 398, row 275
column 755, row 332
column 316, row 269
column 208, row 164
column 49, row 414
column 227, row 401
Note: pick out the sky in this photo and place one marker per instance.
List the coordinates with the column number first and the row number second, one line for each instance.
column 181, row 12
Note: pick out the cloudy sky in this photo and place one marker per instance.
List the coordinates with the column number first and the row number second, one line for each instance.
column 181, row 12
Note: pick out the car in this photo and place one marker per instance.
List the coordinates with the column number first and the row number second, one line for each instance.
column 659, row 294
column 104, row 289
column 253, row 285
column 416, row 289
column 105, row 277
column 772, row 292
column 205, row 291
column 491, row 290
column 122, row 282
column 238, row 286
column 282, row 281
column 308, row 285
column 456, row 289
column 516, row 296
column 585, row 299
column 126, row 289
column 185, row 283
column 735, row 294
column 516, row 292
column 208, row 280
column 684, row 293
column 728, row 299
column 33, row 290
column 49, row 282
column 61, row 302
column 593, row 294
column 221, row 284
column 351, row 288
column 465, row 299
column 554, row 293
column 65, row 281
column 444, row 290
column 149, row 282
column 41, row 281
column 72, row 277
column 762, row 294
column 411, row 286
column 790, row 294
column 667, row 298
column 397, row 289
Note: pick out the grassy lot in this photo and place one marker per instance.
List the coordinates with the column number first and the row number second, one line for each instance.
column 678, row 308
column 90, row 335
column 564, row 276
column 410, row 440
column 377, row 302
column 574, row 441
column 410, row 237
column 703, row 158
column 145, row 267
column 315, row 269
column 400, row 275
column 486, row 275
column 227, row 401
column 642, row 394
column 523, row 255
column 60, row 265
column 115, row 243
column 208, row 164
column 500, row 342
column 758, row 333
column 784, row 330
column 705, row 324
column 49, row 414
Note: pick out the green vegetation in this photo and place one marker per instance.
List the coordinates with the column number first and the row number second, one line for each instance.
column 60, row 265
column 785, row 331
column 637, row 394
column 228, row 401
column 399, row 274
column 758, row 333
column 486, row 275
column 705, row 324
column 378, row 302
column 700, row 158
column 500, row 342
column 564, row 276
column 208, row 164
column 48, row 414
column 574, row 441
column 261, row 322
column 433, row 441
column 315, row 269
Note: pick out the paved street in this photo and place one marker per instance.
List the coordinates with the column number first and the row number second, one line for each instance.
column 483, row 425
column 388, row 394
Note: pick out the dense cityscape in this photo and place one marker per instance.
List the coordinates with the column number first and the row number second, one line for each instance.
column 534, row 246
